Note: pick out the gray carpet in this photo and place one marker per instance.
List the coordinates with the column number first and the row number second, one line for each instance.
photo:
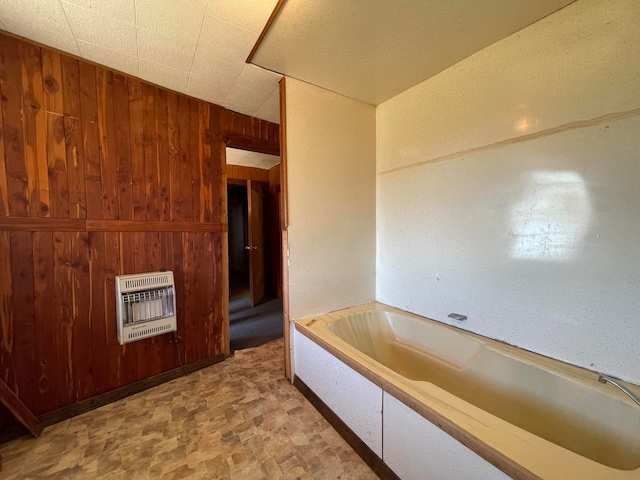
column 252, row 327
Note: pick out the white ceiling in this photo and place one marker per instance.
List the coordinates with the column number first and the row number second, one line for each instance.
column 372, row 50
column 197, row 47
column 245, row 158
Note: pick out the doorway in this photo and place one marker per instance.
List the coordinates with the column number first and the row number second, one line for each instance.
column 255, row 306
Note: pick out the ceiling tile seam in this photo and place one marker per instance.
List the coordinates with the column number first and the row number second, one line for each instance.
column 62, row 2
column 140, row 60
column 195, row 51
column 231, row 23
column 75, row 40
column 110, row 50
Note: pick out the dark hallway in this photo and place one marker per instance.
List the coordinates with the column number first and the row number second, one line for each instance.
column 248, row 326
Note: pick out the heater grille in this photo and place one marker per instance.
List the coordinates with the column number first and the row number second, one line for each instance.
column 149, row 280
column 145, row 304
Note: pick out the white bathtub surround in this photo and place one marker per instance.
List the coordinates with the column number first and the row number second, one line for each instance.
column 531, row 416
column 356, row 400
column 415, row 449
column 507, row 190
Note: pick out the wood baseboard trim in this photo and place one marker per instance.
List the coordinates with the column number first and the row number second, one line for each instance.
column 370, row 458
column 92, row 403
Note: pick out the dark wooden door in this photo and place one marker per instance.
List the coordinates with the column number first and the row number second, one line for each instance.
column 256, row 241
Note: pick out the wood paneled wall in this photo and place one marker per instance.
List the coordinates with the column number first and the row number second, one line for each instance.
column 102, row 174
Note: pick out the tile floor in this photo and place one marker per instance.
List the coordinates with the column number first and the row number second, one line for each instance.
column 239, row 419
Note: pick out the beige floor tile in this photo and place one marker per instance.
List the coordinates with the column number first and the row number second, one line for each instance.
column 239, row 419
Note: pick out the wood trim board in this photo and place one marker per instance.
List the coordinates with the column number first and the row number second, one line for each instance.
column 38, row 224
column 266, row 28
column 19, row 410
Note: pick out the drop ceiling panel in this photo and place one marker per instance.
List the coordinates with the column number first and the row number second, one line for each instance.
column 372, row 50
column 174, row 53
column 41, row 20
column 251, row 14
column 171, row 77
column 171, row 19
column 106, row 32
column 123, row 10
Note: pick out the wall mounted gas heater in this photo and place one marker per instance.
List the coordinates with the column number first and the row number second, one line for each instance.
column 146, row 305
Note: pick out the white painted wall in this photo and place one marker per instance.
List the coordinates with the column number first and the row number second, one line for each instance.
column 332, row 185
column 513, row 177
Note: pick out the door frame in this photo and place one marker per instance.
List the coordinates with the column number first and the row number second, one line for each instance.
column 284, row 228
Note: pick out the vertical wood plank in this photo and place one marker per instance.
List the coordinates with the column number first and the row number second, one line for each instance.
column 208, row 176
column 81, row 351
column 52, row 81
column 97, row 314
column 201, row 317
column 195, row 162
column 91, row 144
column 74, row 153
column 208, row 316
column 164, row 180
column 13, row 131
column 63, row 315
column 166, row 261
column 24, row 318
column 136, row 116
column 35, row 139
column 45, row 327
column 70, row 86
column 214, row 300
column 112, row 265
column 175, row 170
column 179, row 279
column 190, row 298
column 152, row 180
column 57, row 162
column 107, row 144
column 273, row 132
column 4, row 186
column 123, row 145
column 255, row 127
column 7, row 372
column 225, row 342
column 184, row 111
column 218, row 159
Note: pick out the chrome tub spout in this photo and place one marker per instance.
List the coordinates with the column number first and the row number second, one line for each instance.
column 614, row 382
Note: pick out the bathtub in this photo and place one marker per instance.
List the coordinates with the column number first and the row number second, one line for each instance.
column 531, row 416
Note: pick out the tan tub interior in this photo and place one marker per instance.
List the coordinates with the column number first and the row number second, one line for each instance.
column 543, row 409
